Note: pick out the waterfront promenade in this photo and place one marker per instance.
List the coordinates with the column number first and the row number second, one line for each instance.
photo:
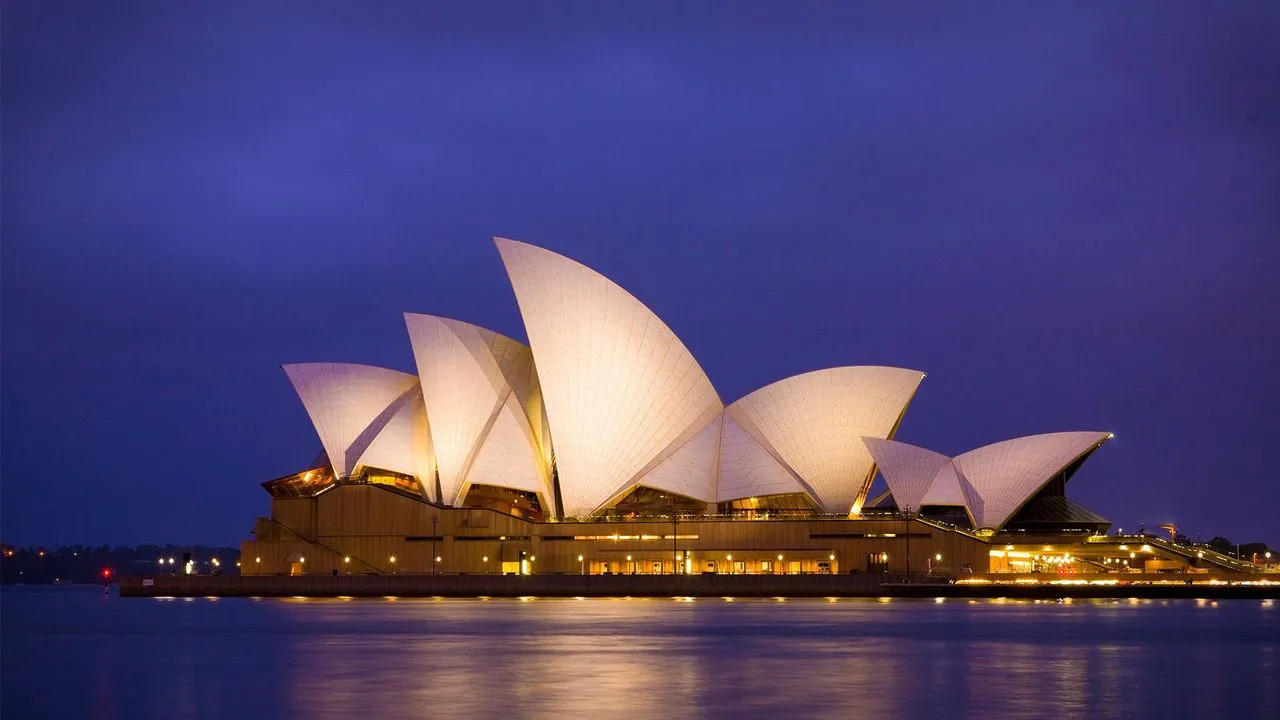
column 709, row 585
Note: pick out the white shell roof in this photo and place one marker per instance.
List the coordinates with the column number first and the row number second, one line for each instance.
column 910, row 471
column 349, row 405
column 815, row 423
column 404, row 445
column 620, row 388
column 945, row 489
column 691, row 469
column 998, row 479
column 748, row 469
column 478, row 386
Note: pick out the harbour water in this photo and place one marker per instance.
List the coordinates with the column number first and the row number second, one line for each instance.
column 75, row 653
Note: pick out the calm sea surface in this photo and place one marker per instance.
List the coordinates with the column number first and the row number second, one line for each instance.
column 74, row 653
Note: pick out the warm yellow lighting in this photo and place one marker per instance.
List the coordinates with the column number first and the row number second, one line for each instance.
column 346, row 559
column 1146, row 548
column 579, row 558
column 532, row 558
column 937, row 557
column 302, row 559
column 1008, row 547
column 1124, row 548
column 437, row 559
column 1133, row 555
column 485, row 558
column 257, row 559
column 628, row 558
column 832, row 556
column 779, row 557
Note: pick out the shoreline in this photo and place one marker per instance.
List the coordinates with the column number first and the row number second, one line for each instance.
column 743, row 586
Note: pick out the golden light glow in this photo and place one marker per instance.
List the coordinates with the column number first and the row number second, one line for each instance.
column 346, row 559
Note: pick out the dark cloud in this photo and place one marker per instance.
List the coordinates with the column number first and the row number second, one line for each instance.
column 1065, row 213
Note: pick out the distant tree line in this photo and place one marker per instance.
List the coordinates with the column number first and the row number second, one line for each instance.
column 1254, row 551
column 39, row 565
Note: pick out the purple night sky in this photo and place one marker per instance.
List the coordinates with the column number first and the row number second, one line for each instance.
column 1068, row 215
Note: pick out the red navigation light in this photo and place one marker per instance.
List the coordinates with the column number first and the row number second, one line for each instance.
column 106, row 573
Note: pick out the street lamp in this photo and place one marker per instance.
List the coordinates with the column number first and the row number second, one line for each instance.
column 730, row 558
column 779, row 563
column 485, row 569
column 582, row 565
column 435, row 518
column 632, row 565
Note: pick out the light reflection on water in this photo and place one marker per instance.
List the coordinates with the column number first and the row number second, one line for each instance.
column 72, row 653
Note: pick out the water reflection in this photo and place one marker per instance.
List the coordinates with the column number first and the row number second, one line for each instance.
column 635, row 658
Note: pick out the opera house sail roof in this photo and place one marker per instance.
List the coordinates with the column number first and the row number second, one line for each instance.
column 606, row 403
column 994, row 481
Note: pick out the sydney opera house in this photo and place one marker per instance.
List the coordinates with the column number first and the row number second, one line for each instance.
column 602, row 447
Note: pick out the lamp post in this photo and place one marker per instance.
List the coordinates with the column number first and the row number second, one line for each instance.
column 730, row 558
column 675, row 549
column 435, row 518
column 582, row 565
column 906, row 535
